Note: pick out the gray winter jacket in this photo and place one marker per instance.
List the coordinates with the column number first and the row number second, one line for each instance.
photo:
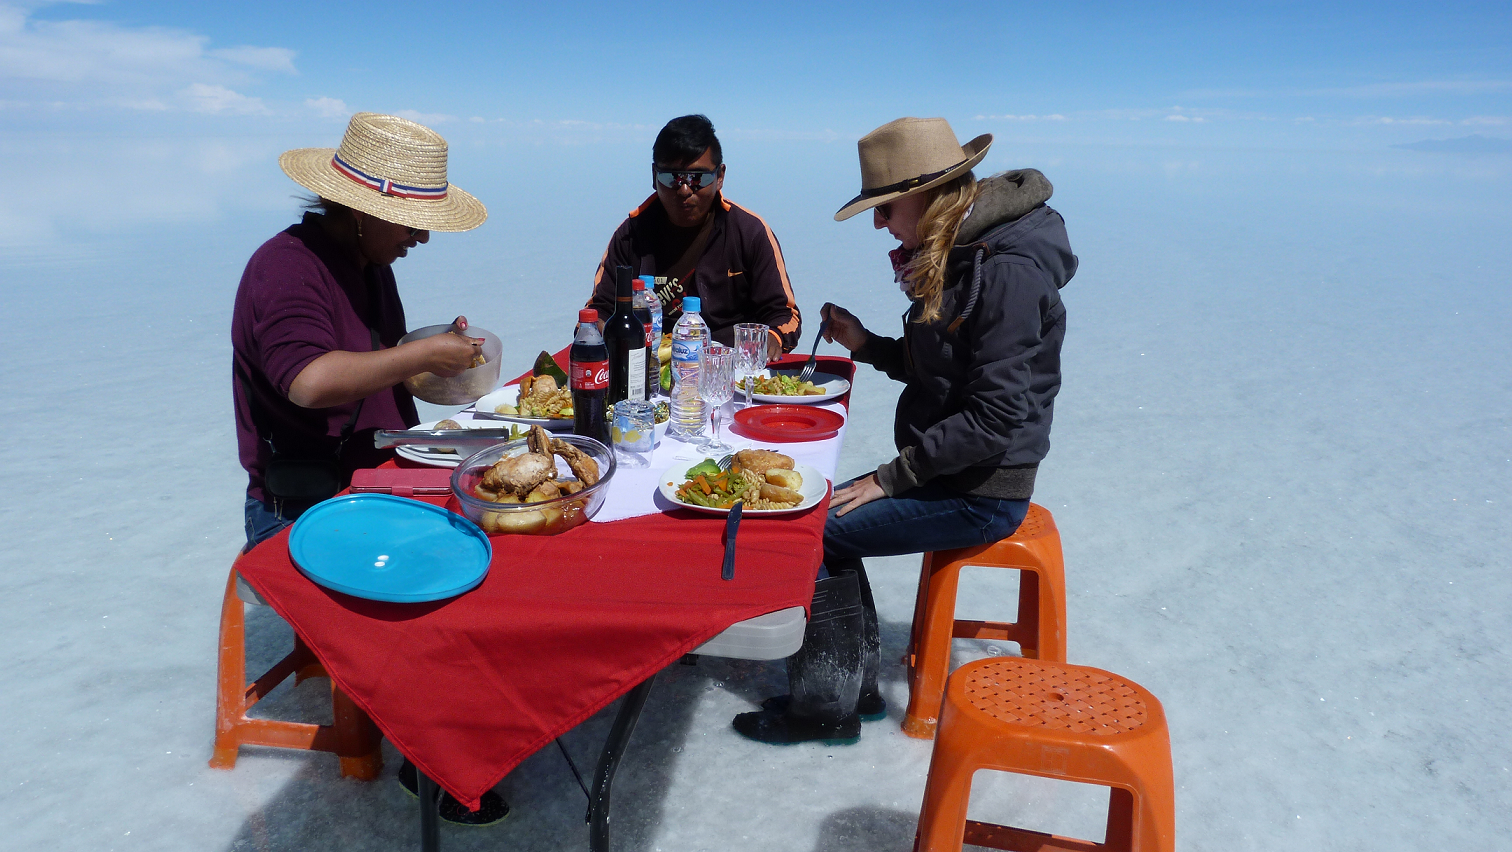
column 982, row 379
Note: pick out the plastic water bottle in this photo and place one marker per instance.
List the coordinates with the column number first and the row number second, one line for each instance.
column 648, row 311
column 688, row 340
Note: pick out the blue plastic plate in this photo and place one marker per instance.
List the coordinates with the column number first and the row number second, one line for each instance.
column 386, row 548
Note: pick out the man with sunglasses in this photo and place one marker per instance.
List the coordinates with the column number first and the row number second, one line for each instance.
column 702, row 244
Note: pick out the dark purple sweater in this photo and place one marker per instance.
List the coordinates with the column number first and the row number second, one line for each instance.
column 301, row 297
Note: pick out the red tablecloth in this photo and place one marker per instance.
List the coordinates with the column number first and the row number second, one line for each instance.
column 562, row 625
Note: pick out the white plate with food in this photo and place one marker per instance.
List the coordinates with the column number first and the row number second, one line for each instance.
column 504, row 404
column 783, row 386
column 810, row 490
column 443, row 457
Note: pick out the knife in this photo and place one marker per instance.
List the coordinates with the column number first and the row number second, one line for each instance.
column 457, row 438
column 732, row 526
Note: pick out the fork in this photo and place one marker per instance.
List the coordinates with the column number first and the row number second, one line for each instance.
column 724, row 463
column 808, row 367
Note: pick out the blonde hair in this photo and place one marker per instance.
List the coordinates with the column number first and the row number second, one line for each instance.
column 925, row 274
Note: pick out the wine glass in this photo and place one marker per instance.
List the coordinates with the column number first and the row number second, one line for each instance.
column 750, row 354
column 716, row 384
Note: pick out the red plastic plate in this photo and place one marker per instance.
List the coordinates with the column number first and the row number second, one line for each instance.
column 787, row 423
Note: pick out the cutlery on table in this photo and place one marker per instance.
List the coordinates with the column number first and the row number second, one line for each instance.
column 476, row 439
column 808, row 366
column 732, row 526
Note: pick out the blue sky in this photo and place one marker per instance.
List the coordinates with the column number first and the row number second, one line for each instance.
column 129, row 97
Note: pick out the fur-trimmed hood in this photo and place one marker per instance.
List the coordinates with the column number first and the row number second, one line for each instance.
column 1003, row 198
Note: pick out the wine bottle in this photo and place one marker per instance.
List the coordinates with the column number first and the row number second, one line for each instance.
column 626, row 338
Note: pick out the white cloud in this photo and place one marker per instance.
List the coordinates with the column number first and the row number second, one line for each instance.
column 1386, row 119
column 1052, row 117
column 329, row 107
column 428, row 119
column 266, row 58
column 89, row 64
column 1488, row 121
column 218, row 100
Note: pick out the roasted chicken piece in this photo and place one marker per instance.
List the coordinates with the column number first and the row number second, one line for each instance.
column 539, row 387
column 539, row 440
column 531, row 474
column 519, row 475
column 759, row 461
column 583, row 466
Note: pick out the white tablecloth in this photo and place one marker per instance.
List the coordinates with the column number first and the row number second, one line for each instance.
column 633, row 492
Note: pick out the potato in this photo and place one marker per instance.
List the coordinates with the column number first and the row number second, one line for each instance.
column 785, row 478
column 778, row 494
column 548, row 490
column 517, row 523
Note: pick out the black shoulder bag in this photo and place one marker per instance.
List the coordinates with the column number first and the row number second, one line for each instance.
column 303, row 480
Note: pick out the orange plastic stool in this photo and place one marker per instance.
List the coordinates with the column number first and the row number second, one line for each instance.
column 1034, row 548
column 1057, row 721
column 352, row 736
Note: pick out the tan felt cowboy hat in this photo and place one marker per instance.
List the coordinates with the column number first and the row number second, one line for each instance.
column 389, row 167
column 908, row 156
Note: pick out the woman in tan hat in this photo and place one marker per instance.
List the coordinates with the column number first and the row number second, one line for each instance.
column 317, row 364
column 982, row 264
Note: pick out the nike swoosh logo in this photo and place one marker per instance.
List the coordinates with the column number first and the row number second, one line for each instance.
column 732, row 273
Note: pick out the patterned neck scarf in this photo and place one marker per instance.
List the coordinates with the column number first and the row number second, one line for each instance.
column 900, row 258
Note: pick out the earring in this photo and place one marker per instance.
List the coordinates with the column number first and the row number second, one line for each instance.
column 359, row 226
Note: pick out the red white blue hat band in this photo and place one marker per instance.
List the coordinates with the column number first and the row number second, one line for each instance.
column 386, row 186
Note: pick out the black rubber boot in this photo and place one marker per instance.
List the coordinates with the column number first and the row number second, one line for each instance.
column 824, row 676
column 871, row 707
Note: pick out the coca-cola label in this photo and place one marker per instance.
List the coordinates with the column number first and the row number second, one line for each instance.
column 590, row 375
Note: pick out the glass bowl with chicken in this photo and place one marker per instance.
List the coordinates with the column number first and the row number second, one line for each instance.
column 538, row 485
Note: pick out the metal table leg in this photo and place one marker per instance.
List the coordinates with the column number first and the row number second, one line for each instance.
column 614, row 749
column 430, row 818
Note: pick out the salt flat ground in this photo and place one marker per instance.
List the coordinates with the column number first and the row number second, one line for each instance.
column 1282, row 469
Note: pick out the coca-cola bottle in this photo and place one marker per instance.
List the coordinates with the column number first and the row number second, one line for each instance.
column 589, row 379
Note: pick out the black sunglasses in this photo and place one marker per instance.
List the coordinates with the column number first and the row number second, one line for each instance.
column 694, row 180
column 885, row 211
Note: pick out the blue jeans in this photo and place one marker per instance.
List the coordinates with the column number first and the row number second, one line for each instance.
column 264, row 520
column 926, row 518
column 922, row 519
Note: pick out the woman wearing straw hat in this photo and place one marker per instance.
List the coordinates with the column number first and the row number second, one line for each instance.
column 982, row 264
column 315, row 331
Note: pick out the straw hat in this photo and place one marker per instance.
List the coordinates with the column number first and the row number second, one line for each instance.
column 389, row 167
column 908, row 156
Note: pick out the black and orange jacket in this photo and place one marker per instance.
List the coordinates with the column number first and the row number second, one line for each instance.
column 740, row 277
